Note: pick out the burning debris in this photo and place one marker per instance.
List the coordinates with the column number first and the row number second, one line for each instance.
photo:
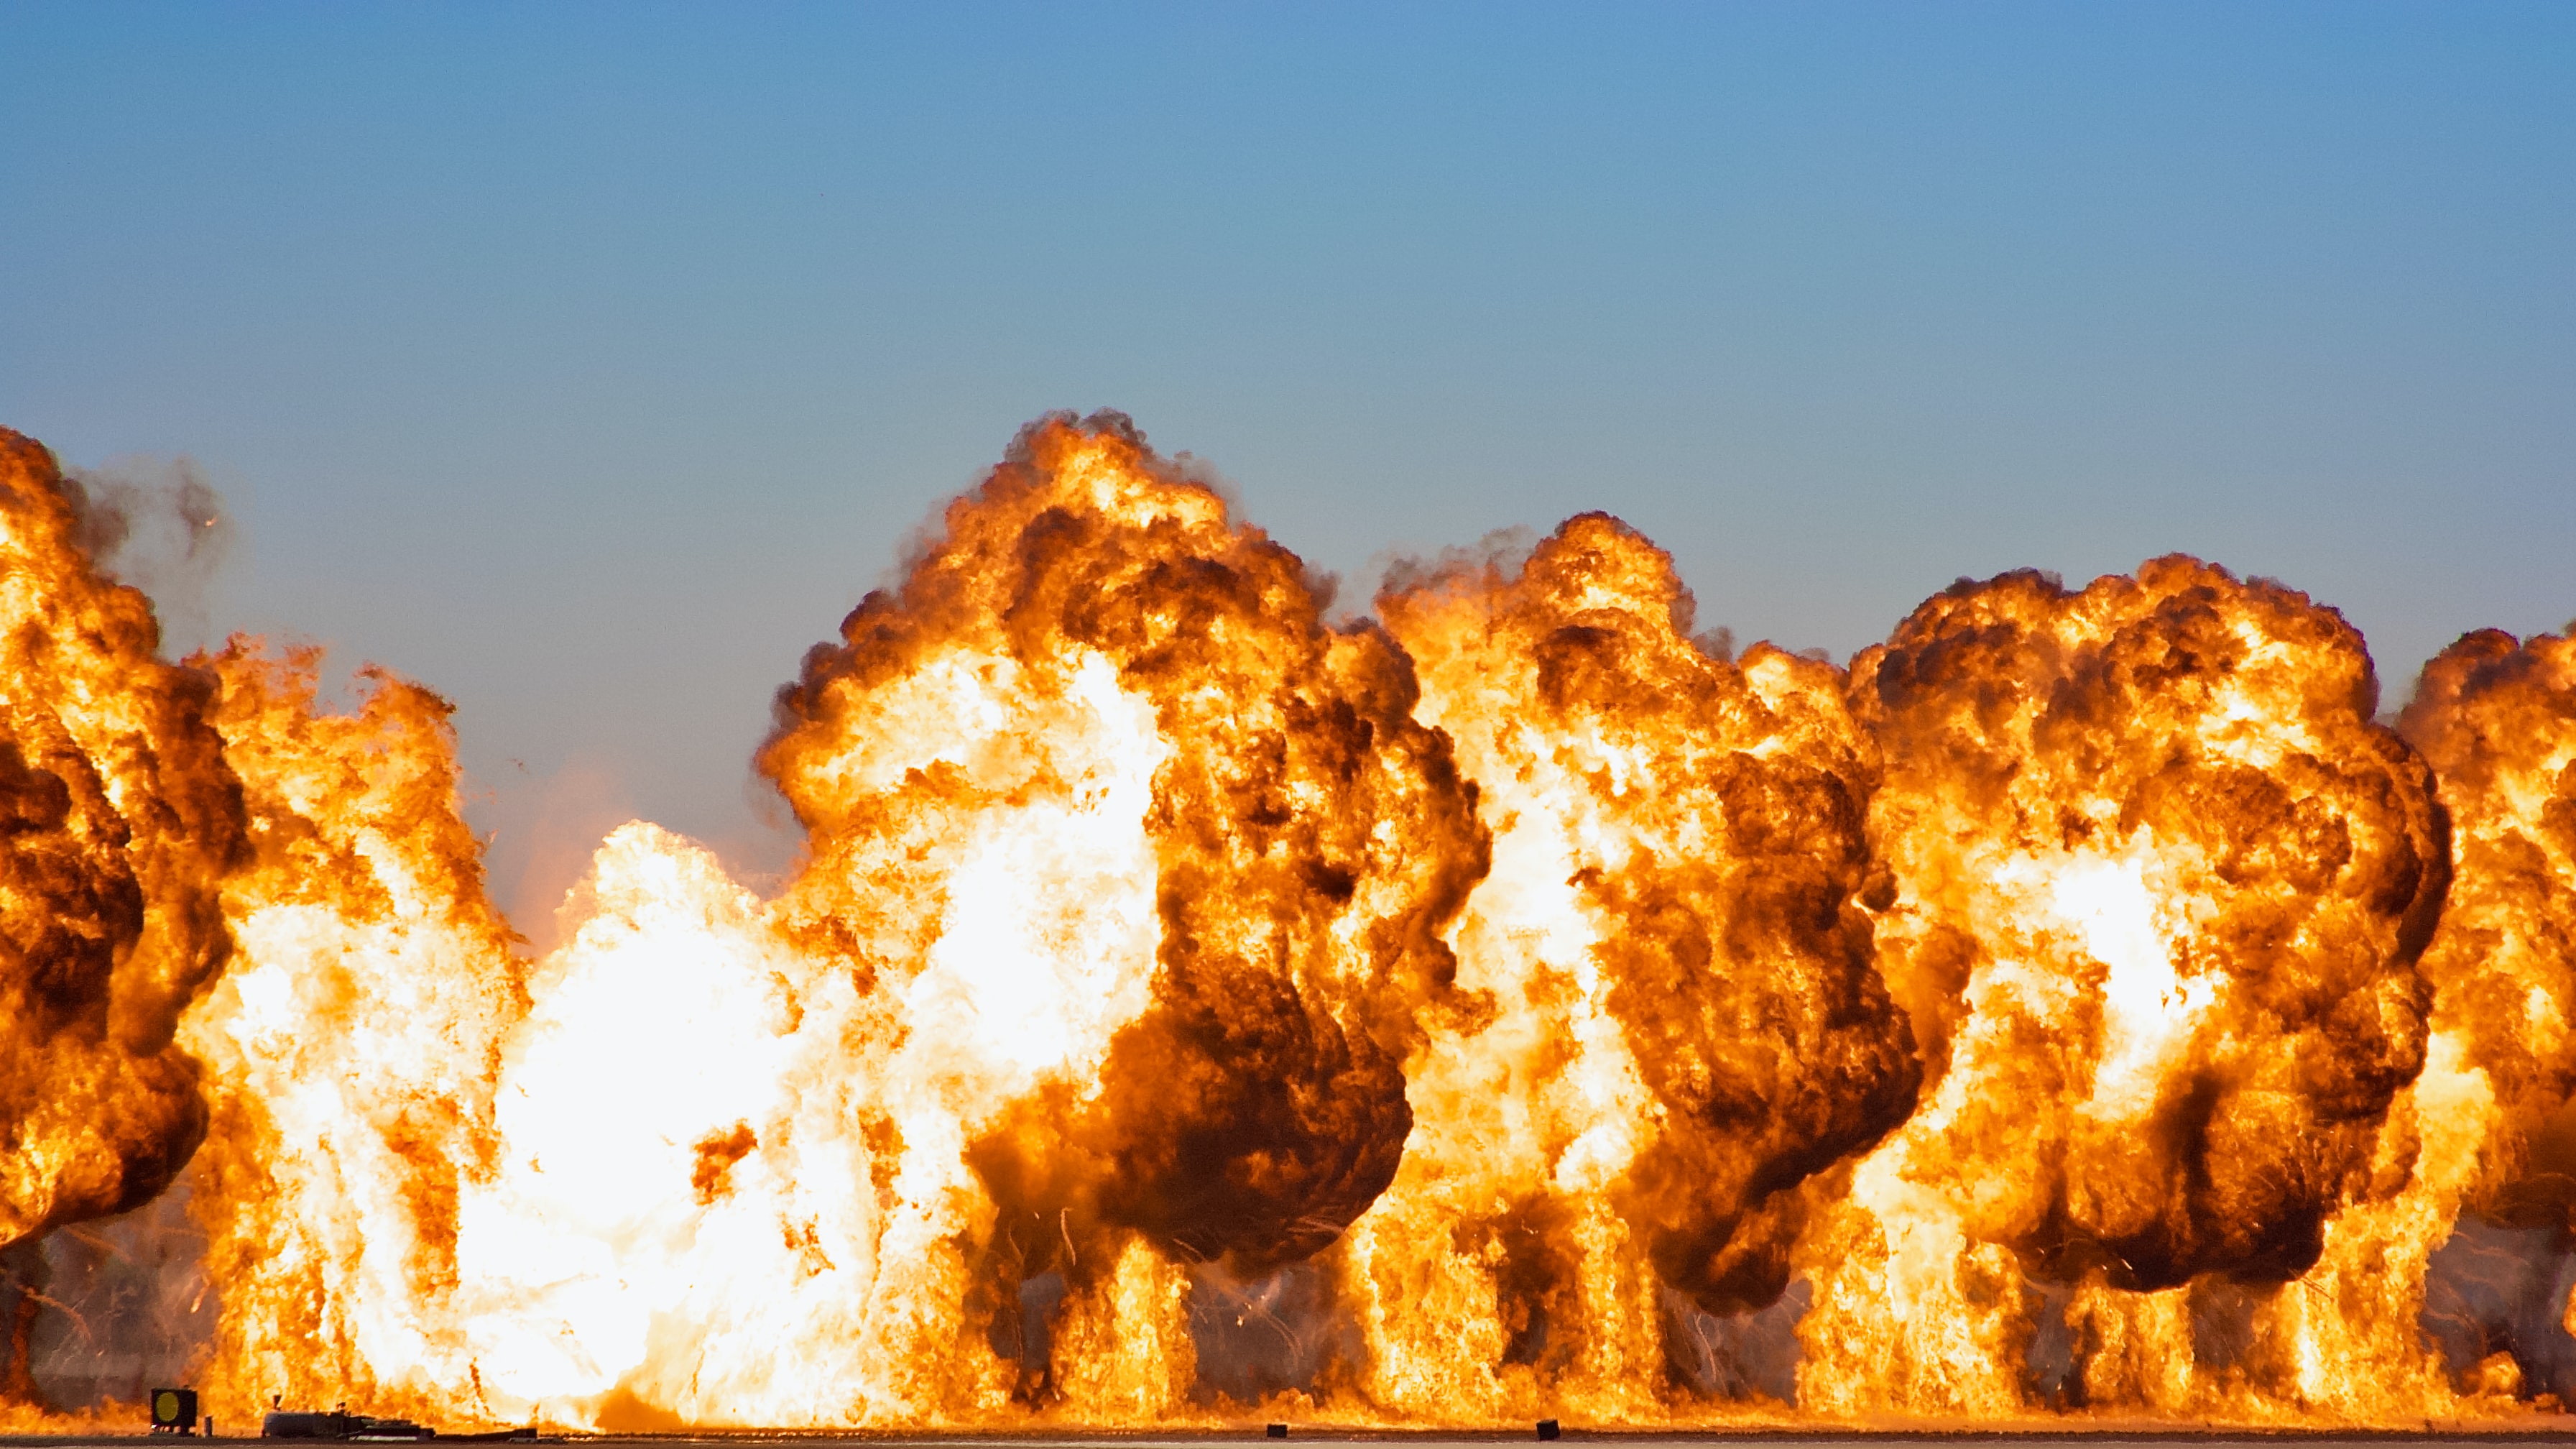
column 1193, row 1011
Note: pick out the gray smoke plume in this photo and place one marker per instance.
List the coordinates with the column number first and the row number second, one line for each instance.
column 159, row 525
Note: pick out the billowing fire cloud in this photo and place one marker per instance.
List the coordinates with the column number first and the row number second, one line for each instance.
column 2159, row 889
column 2498, row 722
column 1676, row 1016
column 1155, row 864
column 118, row 822
column 1517, row 1009
column 1159, row 862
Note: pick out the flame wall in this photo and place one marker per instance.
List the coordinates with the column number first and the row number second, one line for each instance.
column 1190, row 1007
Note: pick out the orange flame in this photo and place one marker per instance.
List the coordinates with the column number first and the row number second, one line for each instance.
column 1676, row 1019
column 353, row 1043
column 118, row 821
column 1151, row 866
column 2498, row 722
column 2160, row 886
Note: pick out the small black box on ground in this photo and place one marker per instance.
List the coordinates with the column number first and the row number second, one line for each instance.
column 1278, row 1431
column 1547, row 1429
column 174, row 1411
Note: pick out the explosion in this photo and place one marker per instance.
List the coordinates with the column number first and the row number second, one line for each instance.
column 1154, row 867
column 118, row 824
column 1676, row 1014
column 1157, row 861
column 1194, row 1005
column 353, row 1043
column 2498, row 722
column 2159, row 887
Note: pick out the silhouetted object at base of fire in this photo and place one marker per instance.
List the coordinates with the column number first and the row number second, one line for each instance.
column 341, row 1426
column 174, row 1411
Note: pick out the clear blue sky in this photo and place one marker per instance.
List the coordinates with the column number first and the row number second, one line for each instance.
column 587, row 362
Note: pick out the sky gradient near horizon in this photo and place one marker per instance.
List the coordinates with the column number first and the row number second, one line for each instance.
column 587, row 362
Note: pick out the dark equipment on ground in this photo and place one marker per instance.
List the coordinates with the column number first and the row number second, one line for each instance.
column 1547, row 1429
column 341, row 1426
column 1278, row 1431
column 338, row 1424
column 174, row 1411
